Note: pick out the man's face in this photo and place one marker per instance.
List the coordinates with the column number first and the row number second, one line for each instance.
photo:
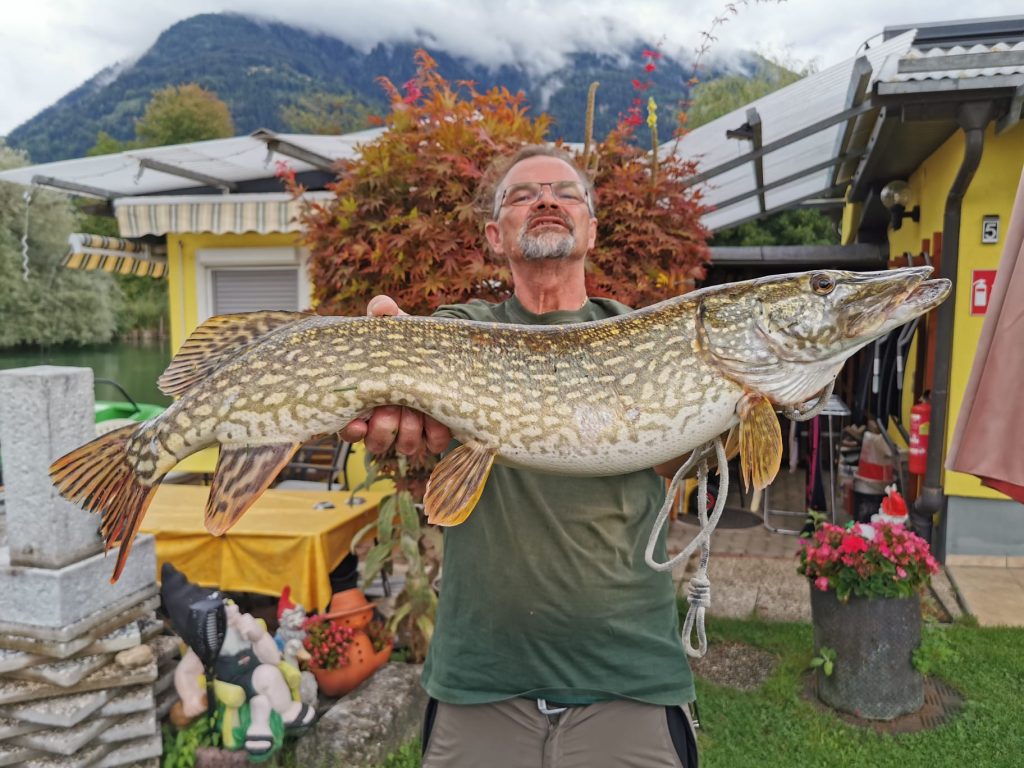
column 548, row 228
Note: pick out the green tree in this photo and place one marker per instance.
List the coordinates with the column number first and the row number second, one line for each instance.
column 51, row 305
column 719, row 97
column 181, row 113
column 327, row 114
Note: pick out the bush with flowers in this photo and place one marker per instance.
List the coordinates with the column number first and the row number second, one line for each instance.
column 327, row 643
column 866, row 560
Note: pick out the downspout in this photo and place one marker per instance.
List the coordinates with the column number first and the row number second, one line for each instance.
column 972, row 117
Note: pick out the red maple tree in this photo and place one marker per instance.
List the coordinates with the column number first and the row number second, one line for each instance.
column 404, row 219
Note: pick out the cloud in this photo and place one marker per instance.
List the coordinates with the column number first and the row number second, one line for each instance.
column 52, row 46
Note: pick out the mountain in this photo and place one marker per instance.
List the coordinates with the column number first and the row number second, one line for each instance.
column 260, row 67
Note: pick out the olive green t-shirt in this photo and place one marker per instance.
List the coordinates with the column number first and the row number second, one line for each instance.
column 545, row 592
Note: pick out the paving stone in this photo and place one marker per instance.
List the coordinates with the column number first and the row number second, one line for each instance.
column 10, row 728
column 139, row 752
column 133, row 610
column 164, row 681
column 12, row 754
column 66, row 741
column 137, row 726
column 127, row 701
column 119, row 639
column 65, row 673
column 11, row 660
column 167, row 649
column 85, row 758
column 63, row 711
column 110, row 676
column 164, row 701
column 63, row 603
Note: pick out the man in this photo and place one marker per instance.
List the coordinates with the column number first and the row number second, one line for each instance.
column 555, row 644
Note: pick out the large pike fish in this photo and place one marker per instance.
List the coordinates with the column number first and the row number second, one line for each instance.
column 598, row 398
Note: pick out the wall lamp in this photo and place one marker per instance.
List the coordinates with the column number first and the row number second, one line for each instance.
column 896, row 198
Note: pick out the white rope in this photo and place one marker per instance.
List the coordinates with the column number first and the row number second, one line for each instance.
column 27, row 197
column 699, row 593
column 805, row 412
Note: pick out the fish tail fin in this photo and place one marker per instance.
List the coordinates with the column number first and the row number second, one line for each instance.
column 99, row 477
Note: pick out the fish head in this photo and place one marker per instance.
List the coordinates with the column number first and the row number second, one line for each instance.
column 787, row 336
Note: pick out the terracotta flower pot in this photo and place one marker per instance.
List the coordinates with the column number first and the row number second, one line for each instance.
column 363, row 661
column 350, row 608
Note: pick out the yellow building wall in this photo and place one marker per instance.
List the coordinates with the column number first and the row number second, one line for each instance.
column 181, row 271
column 991, row 192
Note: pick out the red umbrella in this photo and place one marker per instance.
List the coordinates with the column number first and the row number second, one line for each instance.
column 987, row 440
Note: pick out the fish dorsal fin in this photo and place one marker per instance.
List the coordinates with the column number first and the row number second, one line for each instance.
column 216, row 340
column 760, row 441
column 455, row 485
column 243, row 473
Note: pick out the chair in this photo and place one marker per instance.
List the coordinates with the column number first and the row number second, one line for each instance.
column 318, row 463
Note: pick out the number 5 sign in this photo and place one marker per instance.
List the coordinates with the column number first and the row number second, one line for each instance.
column 982, row 281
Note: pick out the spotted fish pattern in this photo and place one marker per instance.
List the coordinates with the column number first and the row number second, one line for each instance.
column 598, row 398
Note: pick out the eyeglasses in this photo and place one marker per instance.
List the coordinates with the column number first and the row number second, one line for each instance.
column 529, row 192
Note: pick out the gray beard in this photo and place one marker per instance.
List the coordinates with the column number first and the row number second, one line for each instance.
column 546, row 245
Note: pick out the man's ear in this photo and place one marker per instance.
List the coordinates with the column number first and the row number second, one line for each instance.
column 493, row 234
column 591, row 233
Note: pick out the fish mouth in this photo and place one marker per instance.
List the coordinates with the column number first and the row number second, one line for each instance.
column 887, row 299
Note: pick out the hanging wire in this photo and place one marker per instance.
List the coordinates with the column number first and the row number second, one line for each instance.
column 27, row 197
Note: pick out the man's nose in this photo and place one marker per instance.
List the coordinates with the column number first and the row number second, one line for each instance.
column 547, row 197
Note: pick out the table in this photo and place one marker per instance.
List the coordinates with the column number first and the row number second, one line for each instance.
column 281, row 540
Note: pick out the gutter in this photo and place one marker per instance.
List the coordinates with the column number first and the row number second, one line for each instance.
column 972, row 117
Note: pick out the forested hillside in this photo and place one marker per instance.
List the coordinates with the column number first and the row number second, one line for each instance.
column 261, row 68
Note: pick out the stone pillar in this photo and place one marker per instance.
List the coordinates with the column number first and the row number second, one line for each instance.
column 83, row 671
column 45, row 412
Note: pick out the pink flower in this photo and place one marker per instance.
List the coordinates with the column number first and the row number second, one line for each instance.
column 901, row 573
column 852, row 544
column 821, row 583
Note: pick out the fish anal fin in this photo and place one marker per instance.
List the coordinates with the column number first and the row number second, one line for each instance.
column 760, row 439
column 455, row 485
column 217, row 340
column 243, row 473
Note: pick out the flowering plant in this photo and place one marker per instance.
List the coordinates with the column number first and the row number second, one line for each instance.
column 327, row 643
column 876, row 560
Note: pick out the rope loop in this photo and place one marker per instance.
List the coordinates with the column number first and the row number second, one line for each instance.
column 808, row 411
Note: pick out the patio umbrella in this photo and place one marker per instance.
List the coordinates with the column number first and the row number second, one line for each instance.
column 986, row 442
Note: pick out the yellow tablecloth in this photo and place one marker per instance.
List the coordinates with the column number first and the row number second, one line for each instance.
column 281, row 540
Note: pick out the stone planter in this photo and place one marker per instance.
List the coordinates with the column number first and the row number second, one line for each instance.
column 873, row 639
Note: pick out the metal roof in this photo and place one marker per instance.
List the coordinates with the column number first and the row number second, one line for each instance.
column 219, row 165
column 803, row 138
column 959, row 62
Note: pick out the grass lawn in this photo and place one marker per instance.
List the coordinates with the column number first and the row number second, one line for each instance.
column 774, row 725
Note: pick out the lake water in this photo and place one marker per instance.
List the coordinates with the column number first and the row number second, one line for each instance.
column 135, row 366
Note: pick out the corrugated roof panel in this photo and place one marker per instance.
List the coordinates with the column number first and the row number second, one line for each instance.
column 783, row 113
column 237, row 159
column 947, row 58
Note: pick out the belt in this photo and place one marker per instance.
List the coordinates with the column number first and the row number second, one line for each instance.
column 553, row 707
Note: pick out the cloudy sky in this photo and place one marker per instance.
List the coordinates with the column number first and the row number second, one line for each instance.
column 49, row 47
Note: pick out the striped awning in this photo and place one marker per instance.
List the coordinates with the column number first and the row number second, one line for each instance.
column 113, row 254
column 216, row 214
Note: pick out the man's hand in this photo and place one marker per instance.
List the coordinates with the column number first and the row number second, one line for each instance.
column 408, row 430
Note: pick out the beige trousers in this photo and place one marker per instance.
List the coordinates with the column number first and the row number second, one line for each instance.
column 516, row 734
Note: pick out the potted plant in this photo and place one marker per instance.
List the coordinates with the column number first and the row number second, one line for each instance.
column 327, row 643
column 865, row 582
column 342, row 654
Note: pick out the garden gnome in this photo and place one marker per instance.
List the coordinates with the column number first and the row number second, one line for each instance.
column 291, row 620
column 893, row 509
column 248, row 658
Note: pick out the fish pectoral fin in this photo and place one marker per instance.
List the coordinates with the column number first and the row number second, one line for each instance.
column 243, row 473
column 455, row 485
column 216, row 341
column 760, row 438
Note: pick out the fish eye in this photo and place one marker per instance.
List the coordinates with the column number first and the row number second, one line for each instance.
column 822, row 283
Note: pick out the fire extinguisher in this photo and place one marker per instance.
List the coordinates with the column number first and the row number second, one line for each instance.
column 920, row 422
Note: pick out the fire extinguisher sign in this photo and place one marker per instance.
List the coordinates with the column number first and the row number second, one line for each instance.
column 982, row 281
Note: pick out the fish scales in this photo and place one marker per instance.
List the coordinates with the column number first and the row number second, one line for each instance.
column 599, row 398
